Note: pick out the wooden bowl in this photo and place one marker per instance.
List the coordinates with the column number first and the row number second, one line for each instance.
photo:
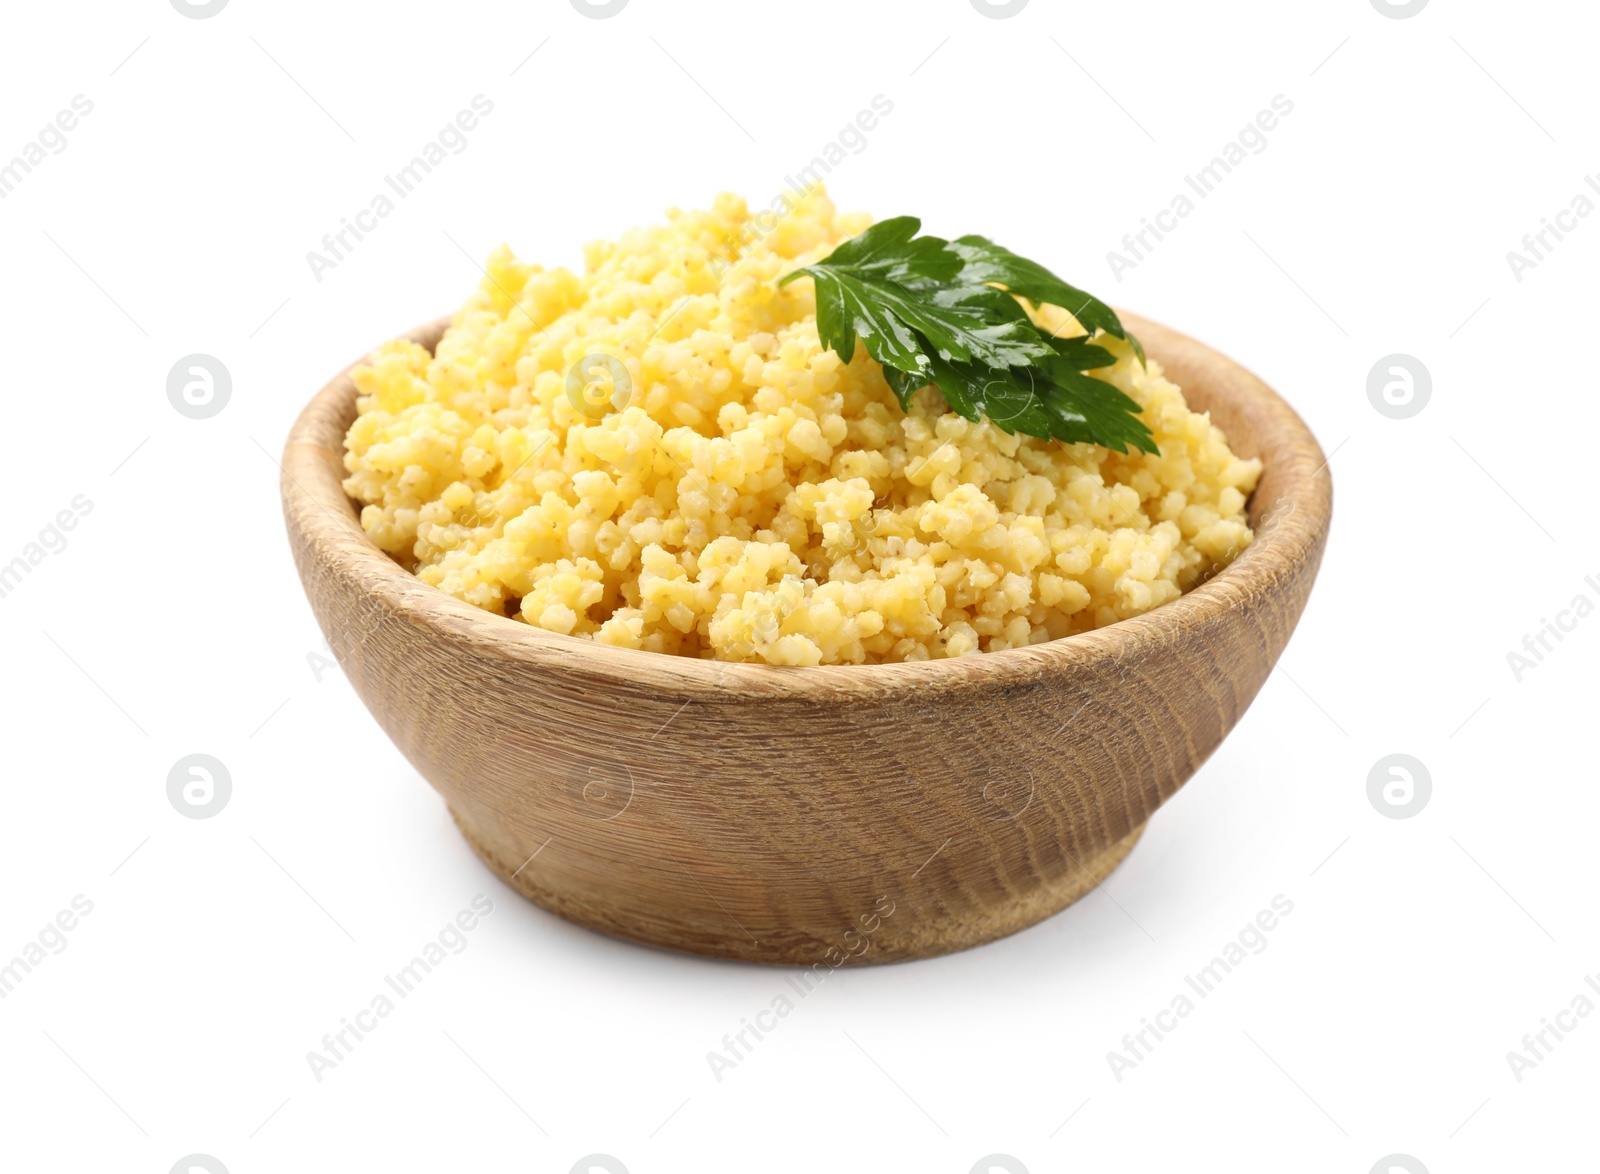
column 812, row 816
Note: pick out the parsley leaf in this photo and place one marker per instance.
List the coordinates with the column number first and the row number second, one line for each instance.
column 930, row 312
column 899, row 295
column 986, row 261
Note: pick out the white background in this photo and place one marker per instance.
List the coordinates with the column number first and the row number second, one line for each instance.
column 219, row 951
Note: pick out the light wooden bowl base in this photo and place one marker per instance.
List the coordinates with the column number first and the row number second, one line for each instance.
column 903, row 935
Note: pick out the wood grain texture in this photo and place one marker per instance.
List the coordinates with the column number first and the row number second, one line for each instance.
column 774, row 814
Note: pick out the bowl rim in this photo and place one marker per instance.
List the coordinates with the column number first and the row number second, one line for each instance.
column 325, row 520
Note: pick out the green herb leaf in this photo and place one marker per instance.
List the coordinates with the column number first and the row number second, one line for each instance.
column 897, row 294
column 1081, row 354
column 1009, row 399
column 1087, row 410
column 848, row 308
column 891, row 251
column 986, row 261
column 929, row 311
